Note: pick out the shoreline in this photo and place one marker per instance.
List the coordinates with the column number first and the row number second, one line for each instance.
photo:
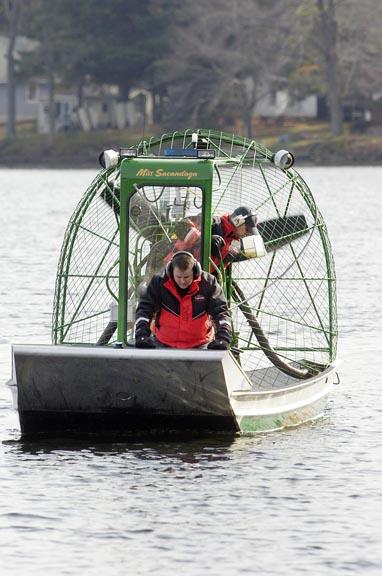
column 310, row 143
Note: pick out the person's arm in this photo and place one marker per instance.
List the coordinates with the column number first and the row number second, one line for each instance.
column 217, row 237
column 218, row 310
column 149, row 303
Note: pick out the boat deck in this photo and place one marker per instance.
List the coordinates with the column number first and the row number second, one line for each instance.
column 270, row 379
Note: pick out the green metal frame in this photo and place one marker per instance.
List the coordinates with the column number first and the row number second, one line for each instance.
column 149, row 168
column 59, row 327
column 137, row 172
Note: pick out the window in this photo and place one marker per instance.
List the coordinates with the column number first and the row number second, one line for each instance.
column 162, row 220
column 32, row 92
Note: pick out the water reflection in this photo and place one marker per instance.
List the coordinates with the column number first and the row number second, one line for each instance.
column 187, row 449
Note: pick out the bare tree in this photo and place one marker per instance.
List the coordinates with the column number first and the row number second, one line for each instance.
column 49, row 25
column 339, row 54
column 11, row 10
column 360, row 48
column 227, row 57
column 329, row 32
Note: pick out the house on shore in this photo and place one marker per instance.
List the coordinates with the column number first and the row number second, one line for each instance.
column 26, row 93
column 100, row 106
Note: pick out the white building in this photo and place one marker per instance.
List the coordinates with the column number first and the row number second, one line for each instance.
column 101, row 107
column 26, row 94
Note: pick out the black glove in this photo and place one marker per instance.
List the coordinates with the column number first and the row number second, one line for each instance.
column 218, row 345
column 217, row 243
column 144, row 342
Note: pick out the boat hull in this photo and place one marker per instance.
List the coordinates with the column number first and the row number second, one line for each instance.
column 65, row 390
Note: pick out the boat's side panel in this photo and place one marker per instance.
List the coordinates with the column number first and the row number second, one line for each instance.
column 62, row 386
column 285, row 419
column 291, row 406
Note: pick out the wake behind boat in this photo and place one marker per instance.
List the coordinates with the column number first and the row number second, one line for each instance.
column 280, row 289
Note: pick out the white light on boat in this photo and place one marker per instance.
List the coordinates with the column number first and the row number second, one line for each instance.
column 108, row 158
column 206, row 154
column 283, row 159
column 128, row 152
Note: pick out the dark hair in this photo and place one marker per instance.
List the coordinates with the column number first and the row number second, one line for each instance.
column 183, row 261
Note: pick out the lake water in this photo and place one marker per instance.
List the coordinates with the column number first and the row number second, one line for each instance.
column 304, row 501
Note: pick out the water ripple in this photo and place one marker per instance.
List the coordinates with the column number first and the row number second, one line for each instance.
column 301, row 502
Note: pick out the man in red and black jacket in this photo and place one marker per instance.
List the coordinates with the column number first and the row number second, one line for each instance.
column 183, row 308
column 227, row 230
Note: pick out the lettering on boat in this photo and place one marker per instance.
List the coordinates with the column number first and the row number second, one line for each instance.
column 160, row 173
column 176, row 174
column 145, row 172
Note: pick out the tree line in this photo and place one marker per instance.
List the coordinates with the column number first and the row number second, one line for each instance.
column 206, row 63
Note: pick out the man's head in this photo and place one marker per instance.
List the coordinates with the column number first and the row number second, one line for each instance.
column 244, row 221
column 183, row 268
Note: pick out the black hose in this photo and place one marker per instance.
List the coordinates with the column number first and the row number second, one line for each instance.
column 263, row 340
column 107, row 334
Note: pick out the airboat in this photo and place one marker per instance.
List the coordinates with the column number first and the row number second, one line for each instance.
column 281, row 366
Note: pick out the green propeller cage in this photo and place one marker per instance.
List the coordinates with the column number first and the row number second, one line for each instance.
column 290, row 292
